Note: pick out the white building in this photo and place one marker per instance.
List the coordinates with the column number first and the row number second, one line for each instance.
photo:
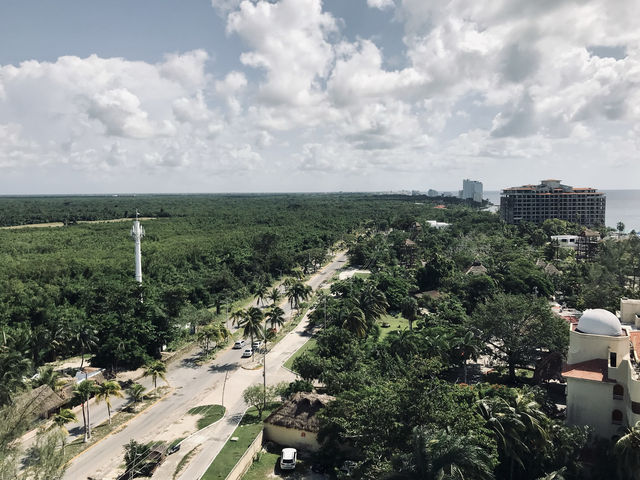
column 630, row 311
column 438, row 225
column 603, row 388
column 471, row 190
column 566, row 241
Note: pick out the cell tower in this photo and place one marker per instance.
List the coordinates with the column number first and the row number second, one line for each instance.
column 137, row 232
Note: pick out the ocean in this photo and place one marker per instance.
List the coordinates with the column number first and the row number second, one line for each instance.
column 622, row 206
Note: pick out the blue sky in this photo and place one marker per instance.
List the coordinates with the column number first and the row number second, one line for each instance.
column 305, row 95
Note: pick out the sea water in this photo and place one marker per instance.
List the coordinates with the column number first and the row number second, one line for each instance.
column 622, row 206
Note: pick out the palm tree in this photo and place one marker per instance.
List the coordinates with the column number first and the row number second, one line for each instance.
column 83, row 391
column 274, row 295
column 627, row 451
column 238, row 316
column 372, row 302
column 64, row 416
column 409, row 310
column 275, row 316
column 355, row 322
column 216, row 332
column 106, row 391
column 469, row 348
column 252, row 323
column 156, row 369
column 297, row 292
column 442, row 455
column 136, row 393
column 261, row 293
column 48, row 376
column 86, row 338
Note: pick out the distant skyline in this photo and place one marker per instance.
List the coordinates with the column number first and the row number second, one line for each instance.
column 164, row 96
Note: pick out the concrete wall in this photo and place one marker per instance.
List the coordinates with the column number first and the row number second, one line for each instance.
column 290, row 437
column 629, row 308
column 591, row 403
column 247, row 459
column 583, row 347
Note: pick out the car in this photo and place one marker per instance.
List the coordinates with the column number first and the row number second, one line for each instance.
column 173, row 449
column 239, row 344
column 248, row 352
column 256, row 345
column 288, row 459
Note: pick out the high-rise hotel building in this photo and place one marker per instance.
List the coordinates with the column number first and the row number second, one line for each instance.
column 551, row 199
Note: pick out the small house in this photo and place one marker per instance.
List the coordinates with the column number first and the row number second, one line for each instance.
column 295, row 423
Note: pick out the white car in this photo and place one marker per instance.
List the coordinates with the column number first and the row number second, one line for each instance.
column 256, row 345
column 288, row 459
column 239, row 344
column 248, row 352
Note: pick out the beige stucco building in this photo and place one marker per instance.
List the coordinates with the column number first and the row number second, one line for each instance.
column 295, row 423
column 603, row 386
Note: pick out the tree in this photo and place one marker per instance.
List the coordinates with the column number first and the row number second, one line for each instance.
column 135, row 455
column 297, row 292
column 372, row 302
column 13, row 367
column 64, row 416
column 136, row 393
column 409, row 310
column 261, row 293
column 252, row 323
column 106, row 391
column 439, row 454
column 83, row 392
column 154, row 370
column 274, row 295
column 256, row 397
column 216, row 332
column 48, row 376
column 355, row 322
column 620, row 227
column 86, row 338
column 627, row 452
column 518, row 328
column 275, row 316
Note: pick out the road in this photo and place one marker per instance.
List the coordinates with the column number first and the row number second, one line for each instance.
column 195, row 385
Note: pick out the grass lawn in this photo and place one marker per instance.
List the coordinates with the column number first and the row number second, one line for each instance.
column 361, row 275
column 310, row 344
column 263, row 467
column 210, row 414
column 396, row 323
column 247, row 431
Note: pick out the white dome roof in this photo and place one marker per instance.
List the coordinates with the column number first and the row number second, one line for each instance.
column 599, row 322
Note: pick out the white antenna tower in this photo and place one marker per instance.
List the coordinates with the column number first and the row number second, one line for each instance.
column 137, row 232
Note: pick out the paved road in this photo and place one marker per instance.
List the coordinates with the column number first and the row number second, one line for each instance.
column 196, row 385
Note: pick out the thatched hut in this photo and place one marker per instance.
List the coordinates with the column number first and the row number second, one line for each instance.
column 41, row 401
column 476, row 268
column 295, row 423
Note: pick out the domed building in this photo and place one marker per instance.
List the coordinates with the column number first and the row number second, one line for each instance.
column 603, row 387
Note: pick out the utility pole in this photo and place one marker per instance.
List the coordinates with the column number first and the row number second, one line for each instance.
column 224, row 384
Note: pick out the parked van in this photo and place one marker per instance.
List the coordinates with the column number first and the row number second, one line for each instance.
column 288, row 459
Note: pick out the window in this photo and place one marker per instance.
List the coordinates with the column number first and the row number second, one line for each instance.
column 618, row 392
column 613, row 359
column 616, row 417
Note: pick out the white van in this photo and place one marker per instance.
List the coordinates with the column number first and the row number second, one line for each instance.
column 288, row 459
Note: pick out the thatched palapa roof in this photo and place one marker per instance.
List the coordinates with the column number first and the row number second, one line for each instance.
column 41, row 401
column 300, row 412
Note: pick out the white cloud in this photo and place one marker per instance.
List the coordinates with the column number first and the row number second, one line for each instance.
column 380, row 4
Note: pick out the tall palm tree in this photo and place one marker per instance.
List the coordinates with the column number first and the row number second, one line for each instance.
column 86, row 338
column 409, row 310
column 261, row 293
column 106, row 391
column 238, row 316
column 274, row 295
column 83, row 391
column 252, row 323
column 627, row 451
column 13, row 367
column 275, row 316
column 297, row 292
column 468, row 347
column 154, row 370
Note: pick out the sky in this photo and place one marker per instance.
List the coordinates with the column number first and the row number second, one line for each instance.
column 151, row 96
